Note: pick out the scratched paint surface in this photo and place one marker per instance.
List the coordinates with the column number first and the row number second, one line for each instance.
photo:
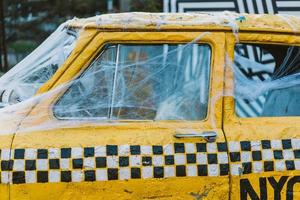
column 189, row 180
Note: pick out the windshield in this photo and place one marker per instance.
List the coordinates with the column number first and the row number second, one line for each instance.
column 23, row 81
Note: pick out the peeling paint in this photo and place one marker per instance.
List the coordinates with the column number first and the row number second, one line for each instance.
column 202, row 195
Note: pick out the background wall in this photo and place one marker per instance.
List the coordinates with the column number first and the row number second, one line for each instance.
column 242, row 6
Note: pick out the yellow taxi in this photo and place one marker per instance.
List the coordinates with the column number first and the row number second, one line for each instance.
column 155, row 106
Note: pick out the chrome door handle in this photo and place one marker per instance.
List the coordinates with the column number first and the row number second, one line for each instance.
column 209, row 136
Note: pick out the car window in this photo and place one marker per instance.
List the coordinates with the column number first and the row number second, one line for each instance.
column 266, row 80
column 143, row 82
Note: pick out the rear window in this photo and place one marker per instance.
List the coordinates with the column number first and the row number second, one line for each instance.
column 267, row 80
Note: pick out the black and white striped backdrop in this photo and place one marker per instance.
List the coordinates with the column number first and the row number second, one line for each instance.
column 244, row 108
column 241, row 6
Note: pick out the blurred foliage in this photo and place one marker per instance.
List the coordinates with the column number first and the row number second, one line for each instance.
column 22, row 46
column 35, row 20
column 146, row 5
column 30, row 22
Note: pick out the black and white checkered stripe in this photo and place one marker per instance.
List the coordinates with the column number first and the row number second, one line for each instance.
column 262, row 156
column 123, row 162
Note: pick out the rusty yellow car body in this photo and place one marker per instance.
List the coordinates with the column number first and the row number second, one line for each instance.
column 181, row 181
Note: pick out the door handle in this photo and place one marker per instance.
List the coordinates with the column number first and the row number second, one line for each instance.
column 209, row 136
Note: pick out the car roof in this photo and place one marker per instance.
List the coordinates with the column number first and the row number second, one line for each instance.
column 222, row 21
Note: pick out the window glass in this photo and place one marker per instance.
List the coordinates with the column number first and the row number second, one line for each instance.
column 90, row 95
column 22, row 81
column 265, row 80
column 145, row 82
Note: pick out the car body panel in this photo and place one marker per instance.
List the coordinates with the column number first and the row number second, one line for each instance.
column 223, row 21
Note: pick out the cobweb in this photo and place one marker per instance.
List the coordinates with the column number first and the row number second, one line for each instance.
column 157, row 82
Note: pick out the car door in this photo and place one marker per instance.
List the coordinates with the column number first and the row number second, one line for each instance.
column 132, row 117
column 261, row 118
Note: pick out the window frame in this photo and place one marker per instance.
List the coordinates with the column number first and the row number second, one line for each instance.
column 117, row 43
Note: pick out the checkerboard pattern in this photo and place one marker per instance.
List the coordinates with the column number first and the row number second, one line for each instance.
column 123, row 162
column 262, row 156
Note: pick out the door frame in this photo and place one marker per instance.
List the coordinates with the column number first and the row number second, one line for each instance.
column 253, row 141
